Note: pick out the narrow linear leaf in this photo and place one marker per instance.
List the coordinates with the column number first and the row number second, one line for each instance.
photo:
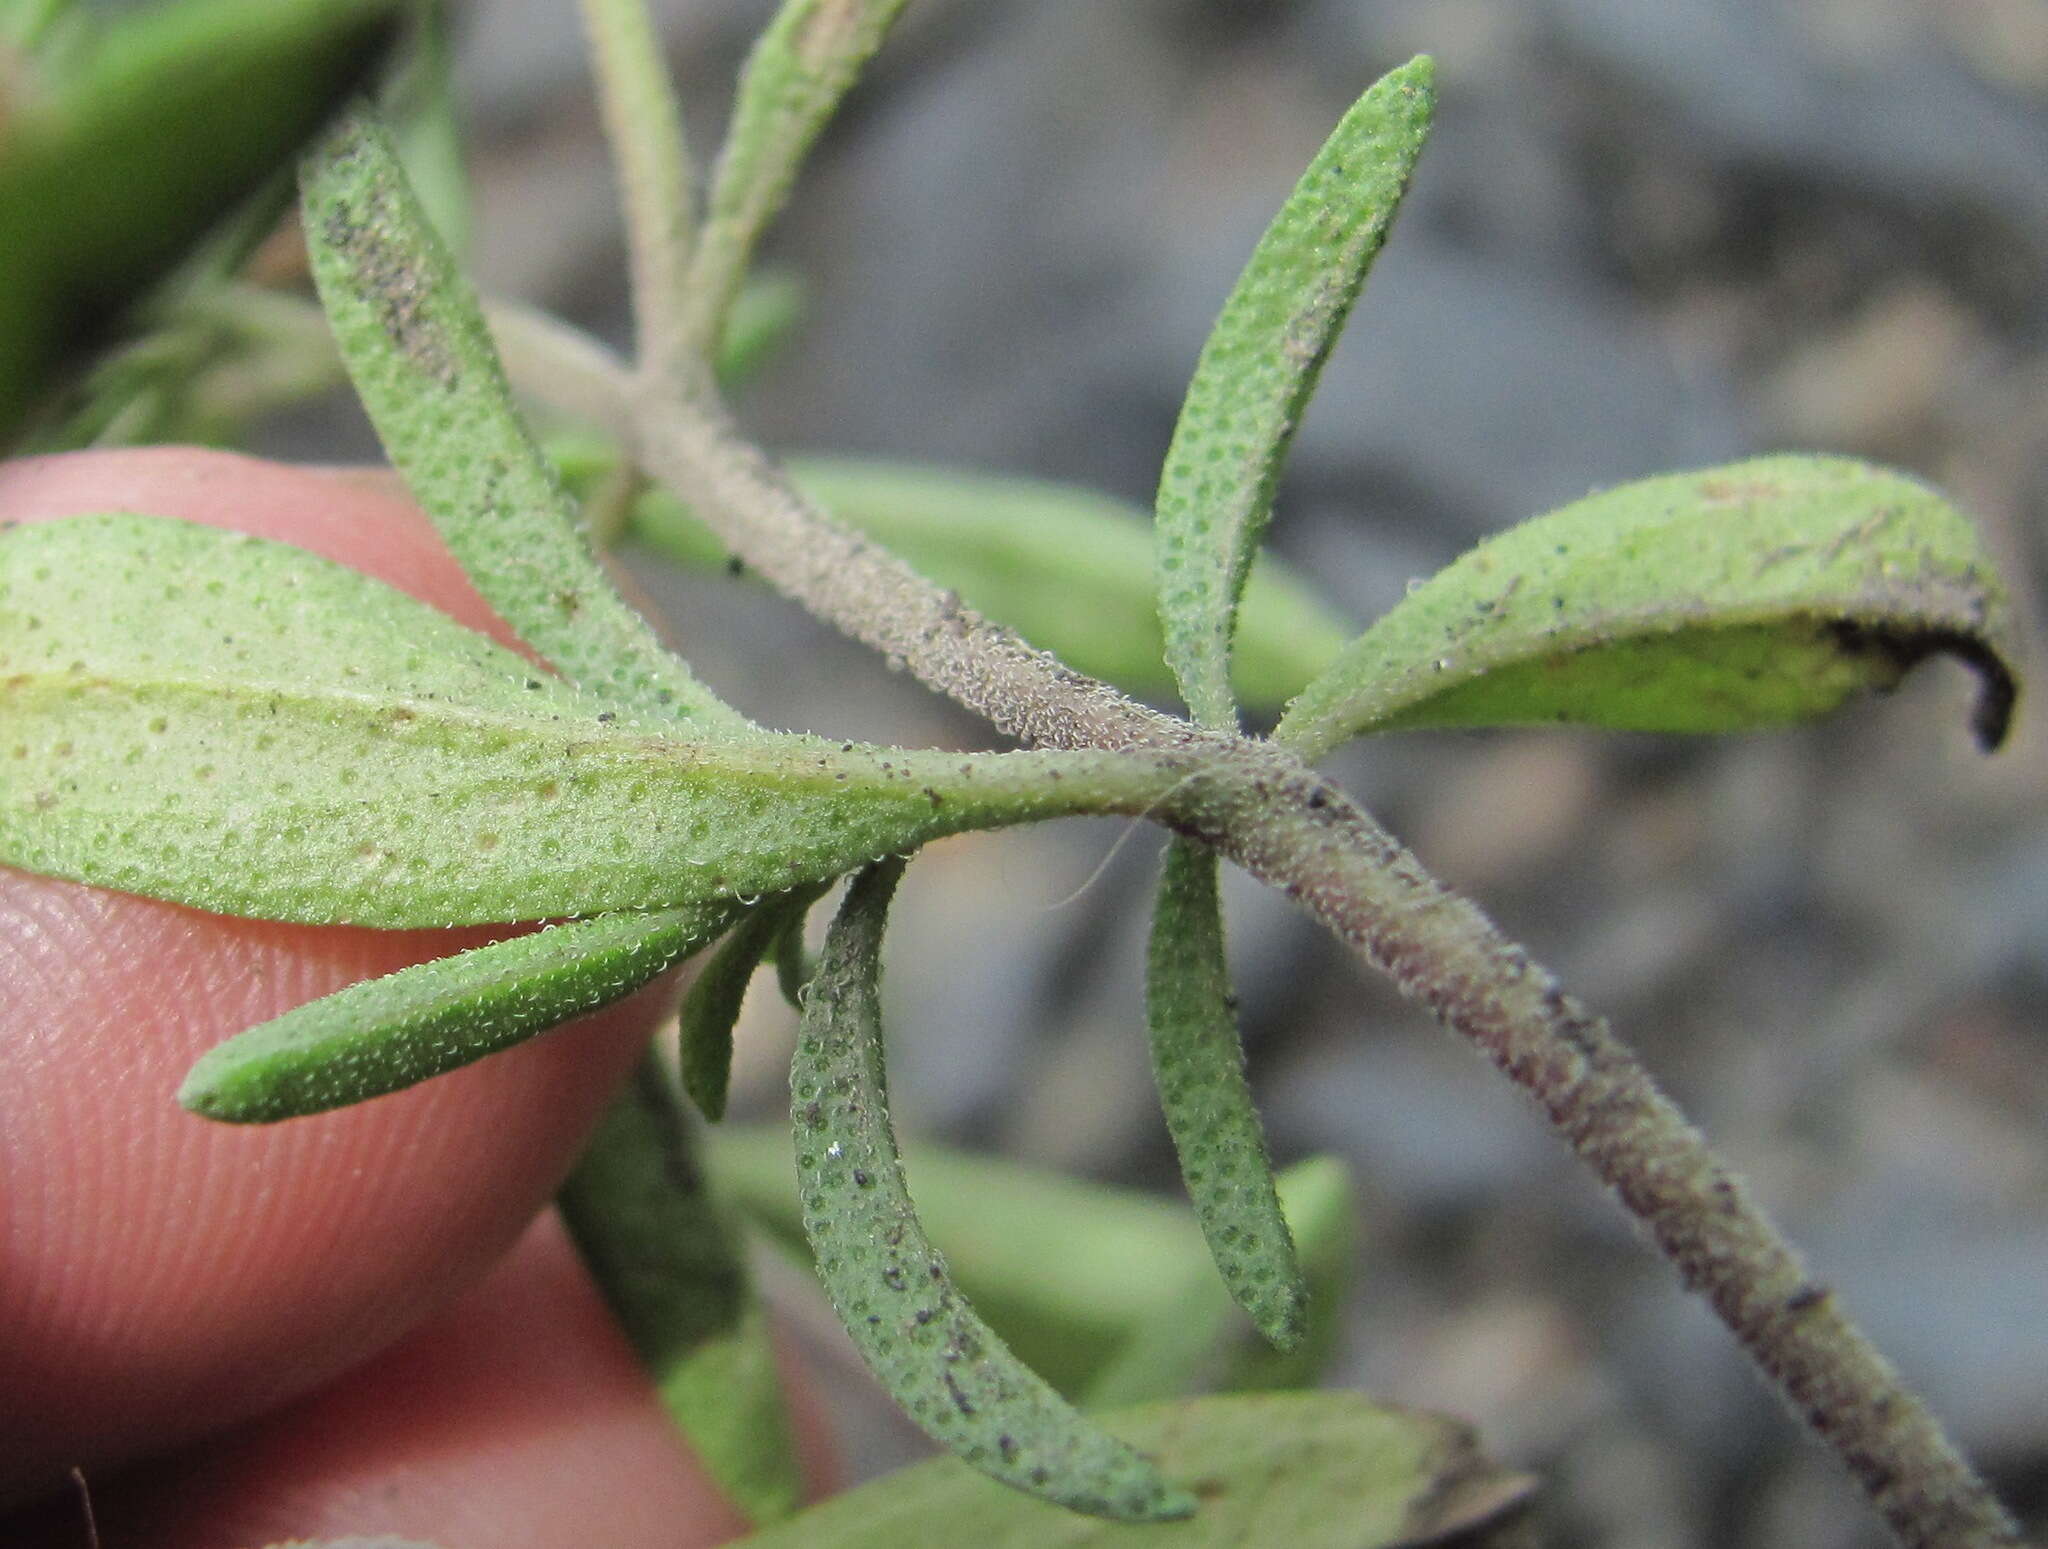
column 712, row 1004
column 386, row 1034
column 1068, row 568
column 1304, row 1470
column 1198, row 1063
column 1258, row 368
column 793, row 963
column 672, row 1267
column 936, row 1357
column 1734, row 597
column 801, row 67
column 1320, row 1200
column 159, row 124
column 1194, row 1341
column 414, row 340
column 242, row 726
column 1108, row 1293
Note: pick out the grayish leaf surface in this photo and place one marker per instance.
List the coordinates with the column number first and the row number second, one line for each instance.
column 889, row 1285
column 1198, row 1062
column 1259, row 367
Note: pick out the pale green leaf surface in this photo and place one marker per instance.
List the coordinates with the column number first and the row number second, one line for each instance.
column 803, row 64
column 245, row 727
column 1258, row 368
column 414, row 340
column 1742, row 596
column 1198, row 1063
column 1108, row 1293
column 672, row 1267
column 382, row 1035
column 712, row 1004
column 937, row 1358
column 1067, row 568
column 1299, row 1470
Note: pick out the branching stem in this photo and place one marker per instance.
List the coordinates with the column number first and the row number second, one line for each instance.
column 1285, row 824
column 645, row 127
column 1269, row 813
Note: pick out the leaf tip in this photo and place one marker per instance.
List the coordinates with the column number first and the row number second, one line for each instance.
column 212, row 1092
column 1282, row 1317
column 1997, row 684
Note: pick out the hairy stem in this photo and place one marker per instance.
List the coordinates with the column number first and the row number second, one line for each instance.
column 1291, row 828
column 1297, row 832
column 645, row 127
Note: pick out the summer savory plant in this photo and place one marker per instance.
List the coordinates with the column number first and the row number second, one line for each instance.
column 237, row 725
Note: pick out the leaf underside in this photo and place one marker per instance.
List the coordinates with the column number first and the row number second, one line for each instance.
column 1258, row 368
column 946, row 1368
column 1109, row 1293
column 712, row 1005
column 239, row 725
column 1748, row 595
column 1303, row 1470
column 413, row 337
column 1198, row 1063
column 385, row 1034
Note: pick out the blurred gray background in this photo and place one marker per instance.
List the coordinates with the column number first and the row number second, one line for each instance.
column 1647, row 234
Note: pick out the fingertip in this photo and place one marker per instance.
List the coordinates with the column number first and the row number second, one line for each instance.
column 161, row 1275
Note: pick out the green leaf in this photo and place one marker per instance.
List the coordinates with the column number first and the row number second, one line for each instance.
column 154, row 128
column 1734, row 597
column 1107, row 1293
column 1067, row 568
column 383, row 1035
column 1303, row 1470
column 1194, row 1342
column 1258, row 368
column 673, row 1268
column 763, row 316
column 887, row 1282
column 712, row 1004
column 793, row 964
column 800, row 68
column 414, row 340
column 1198, row 1062
column 239, row 725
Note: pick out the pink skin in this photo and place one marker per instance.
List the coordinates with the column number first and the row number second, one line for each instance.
column 164, row 1279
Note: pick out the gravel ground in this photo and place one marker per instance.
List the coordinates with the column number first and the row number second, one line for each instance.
column 1648, row 234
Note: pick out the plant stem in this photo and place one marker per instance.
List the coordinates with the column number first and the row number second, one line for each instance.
column 1296, row 831
column 645, row 127
column 1270, row 814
